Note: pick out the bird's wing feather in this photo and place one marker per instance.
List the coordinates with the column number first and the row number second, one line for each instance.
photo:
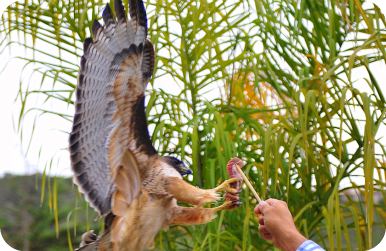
column 116, row 65
column 127, row 182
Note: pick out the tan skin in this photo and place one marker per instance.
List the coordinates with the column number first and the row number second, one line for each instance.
column 277, row 225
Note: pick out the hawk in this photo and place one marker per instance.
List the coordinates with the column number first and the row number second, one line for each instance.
column 114, row 163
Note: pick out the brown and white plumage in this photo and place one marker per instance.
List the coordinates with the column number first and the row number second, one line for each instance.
column 90, row 141
column 114, row 162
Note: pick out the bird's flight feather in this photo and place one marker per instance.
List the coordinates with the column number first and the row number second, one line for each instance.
column 118, row 62
column 114, row 162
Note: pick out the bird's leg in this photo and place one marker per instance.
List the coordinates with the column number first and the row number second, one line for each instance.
column 191, row 215
column 228, row 204
column 226, row 186
column 196, row 215
column 185, row 192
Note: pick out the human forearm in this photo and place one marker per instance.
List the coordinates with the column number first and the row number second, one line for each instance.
column 290, row 240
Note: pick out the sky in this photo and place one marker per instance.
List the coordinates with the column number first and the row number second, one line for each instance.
column 51, row 136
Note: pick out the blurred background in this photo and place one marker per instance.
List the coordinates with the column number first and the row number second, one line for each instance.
column 294, row 88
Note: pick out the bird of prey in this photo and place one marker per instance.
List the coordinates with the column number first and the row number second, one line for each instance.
column 114, row 162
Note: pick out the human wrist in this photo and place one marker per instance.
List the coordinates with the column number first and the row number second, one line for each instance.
column 291, row 240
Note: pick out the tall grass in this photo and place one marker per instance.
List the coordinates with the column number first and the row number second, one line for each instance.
column 272, row 82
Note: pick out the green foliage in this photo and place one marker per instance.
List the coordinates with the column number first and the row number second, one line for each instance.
column 268, row 81
column 28, row 224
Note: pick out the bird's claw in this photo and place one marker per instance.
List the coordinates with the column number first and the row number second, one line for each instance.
column 227, row 186
column 210, row 196
column 227, row 205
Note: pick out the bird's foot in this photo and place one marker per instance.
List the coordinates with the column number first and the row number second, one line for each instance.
column 227, row 186
column 232, row 187
column 212, row 195
column 208, row 196
column 227, row 205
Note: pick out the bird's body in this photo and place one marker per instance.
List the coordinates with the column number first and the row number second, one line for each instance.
column 114, row 162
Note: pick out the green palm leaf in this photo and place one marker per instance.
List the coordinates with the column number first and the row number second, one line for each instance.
column 269, row 81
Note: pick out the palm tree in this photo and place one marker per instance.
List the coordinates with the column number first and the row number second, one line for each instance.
column 273, row 82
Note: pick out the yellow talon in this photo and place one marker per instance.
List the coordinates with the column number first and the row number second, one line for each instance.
column 226, row 186
column 227, row 205
column 224, row 206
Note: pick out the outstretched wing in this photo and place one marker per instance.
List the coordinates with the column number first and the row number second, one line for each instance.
column 109, row 109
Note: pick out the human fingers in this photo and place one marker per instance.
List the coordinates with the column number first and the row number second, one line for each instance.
column 261, row 220
column 272, row 201
column 277, row 203
column 265, row 233
column 259, row 209
column 266, row 236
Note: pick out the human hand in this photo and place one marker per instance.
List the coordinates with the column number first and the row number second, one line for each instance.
column 277, row 225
